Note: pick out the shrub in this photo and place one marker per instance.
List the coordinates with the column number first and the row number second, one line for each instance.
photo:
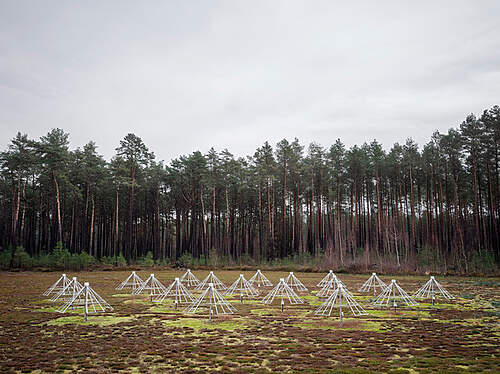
column 22, row 259
column 5, row 257
column 428, row 258
column 60, row 257
column 245, row 259
column 482, row 262
column 43, row 260
column 214, row 259
column 185, row 260
column 81, row 261
column 147, row 260
column 120, row 260
column 108, row 260
column 163, row 262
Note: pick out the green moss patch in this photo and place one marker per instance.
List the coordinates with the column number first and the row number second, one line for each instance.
column 388, row 313
column 91, row 320
column 122, row 295
column 348, row 324
column 167, row 308
column 199, row 324
column 47, row 310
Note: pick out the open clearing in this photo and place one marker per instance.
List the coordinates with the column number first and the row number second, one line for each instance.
column 461, row 335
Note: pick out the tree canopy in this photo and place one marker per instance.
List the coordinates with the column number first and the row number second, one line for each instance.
column 363, row 204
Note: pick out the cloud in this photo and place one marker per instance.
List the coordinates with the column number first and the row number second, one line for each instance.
column 187, row 76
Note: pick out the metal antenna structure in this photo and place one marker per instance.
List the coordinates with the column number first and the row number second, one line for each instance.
column 340, row 298
column 430, row 289
column 151, row 286
column 327, row 289
column 242, row 287
column 133, row 281
column 68, row 292
column 89, row 300
column 372, row 283
column 326, row 279
column 58, row 286
column 259, row 278
column 295, row 283
column 213, row 300
column 190, row 279
column 330, row 287
column 211, row 278
column 393, row 293
column 283, row 291
column 176, row 291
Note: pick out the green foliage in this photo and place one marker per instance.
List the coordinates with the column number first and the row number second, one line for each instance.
column 114, row 260
column 185, row 260
column 60, row 257
column 428, row 258
column 121, row 261
column 162, row 262
column 85, row 260
column 5, row 257
column 108, row 260
column 146, row 260
column 482, row 262
column 214, row 259
column 22, row 260
column 359, row 252
column 245, row 259
column 44, row 261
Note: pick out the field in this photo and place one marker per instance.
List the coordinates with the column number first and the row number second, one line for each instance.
column 462, row 335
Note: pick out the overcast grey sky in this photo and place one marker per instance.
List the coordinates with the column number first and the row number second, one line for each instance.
column 188, row 75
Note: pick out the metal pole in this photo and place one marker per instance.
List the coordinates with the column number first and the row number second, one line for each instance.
column 340, row 303
column 86, row 301
column 394, row 294
column 210, row 295
column 151, row 288
column 432, row 290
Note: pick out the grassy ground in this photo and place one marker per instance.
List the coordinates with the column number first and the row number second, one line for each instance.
column 451, row 337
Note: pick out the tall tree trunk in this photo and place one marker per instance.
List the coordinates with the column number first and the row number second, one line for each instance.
column 130, row 215
column 213, row 230
column 284, row 245
column 476, row 205
column 58, row 204
column 269, row 222
column 339, row 221
column 15, row 213
column 116, row 226
column 228, row 242
column 204, row 233
column 91, row 241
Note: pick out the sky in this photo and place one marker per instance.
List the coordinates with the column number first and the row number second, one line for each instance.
column 190, row 75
